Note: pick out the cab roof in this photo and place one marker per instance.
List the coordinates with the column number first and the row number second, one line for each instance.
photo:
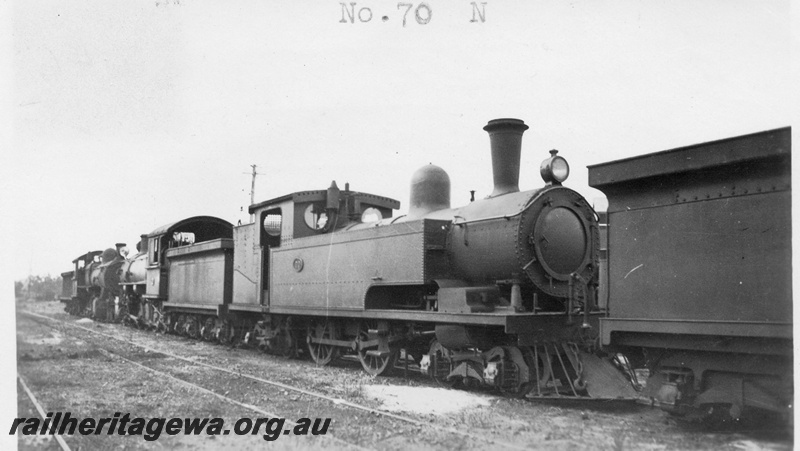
column 320, row 195
column 198, row 224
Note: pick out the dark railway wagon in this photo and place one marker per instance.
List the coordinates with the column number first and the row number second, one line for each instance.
column 699, row 276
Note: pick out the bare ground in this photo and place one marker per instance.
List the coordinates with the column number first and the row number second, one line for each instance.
column 67, row 371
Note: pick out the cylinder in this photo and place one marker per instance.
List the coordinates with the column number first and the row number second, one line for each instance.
column 505, row 136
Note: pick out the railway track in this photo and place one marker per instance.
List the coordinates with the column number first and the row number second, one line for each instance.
column 36, row 404
column 224, row 398
column 339, row 403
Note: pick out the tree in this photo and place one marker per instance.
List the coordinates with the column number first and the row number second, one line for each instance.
column 38, row 288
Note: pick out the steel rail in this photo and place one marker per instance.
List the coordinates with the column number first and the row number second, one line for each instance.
column 202, row 389
column 39, row 408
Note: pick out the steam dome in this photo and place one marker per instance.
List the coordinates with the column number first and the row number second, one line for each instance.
column 430, row 191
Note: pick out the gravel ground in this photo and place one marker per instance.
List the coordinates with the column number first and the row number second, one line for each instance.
column 67, row 370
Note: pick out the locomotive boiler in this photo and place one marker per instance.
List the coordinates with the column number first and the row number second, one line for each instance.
column 132, row 281
column 543, row 240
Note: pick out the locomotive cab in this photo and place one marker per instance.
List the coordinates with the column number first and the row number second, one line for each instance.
column 76, row 285
column 297, row 216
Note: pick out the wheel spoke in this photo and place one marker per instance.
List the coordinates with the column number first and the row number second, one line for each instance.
column 321, row 354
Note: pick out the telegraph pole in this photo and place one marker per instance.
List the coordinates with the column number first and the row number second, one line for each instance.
column 253, row 186
column 252, row 189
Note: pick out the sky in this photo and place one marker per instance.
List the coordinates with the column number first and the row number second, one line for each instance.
column 128, row 115
column 120, row 116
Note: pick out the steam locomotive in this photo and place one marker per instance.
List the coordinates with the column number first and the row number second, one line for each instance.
column 523, row 291
column 500, row 292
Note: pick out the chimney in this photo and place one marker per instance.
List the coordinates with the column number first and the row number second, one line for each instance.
column 506, row 142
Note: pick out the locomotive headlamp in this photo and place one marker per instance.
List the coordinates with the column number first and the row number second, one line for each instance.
column 554, row 169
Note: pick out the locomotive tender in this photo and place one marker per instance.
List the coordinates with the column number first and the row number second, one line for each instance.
column 500, row 292
column 699, row 275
